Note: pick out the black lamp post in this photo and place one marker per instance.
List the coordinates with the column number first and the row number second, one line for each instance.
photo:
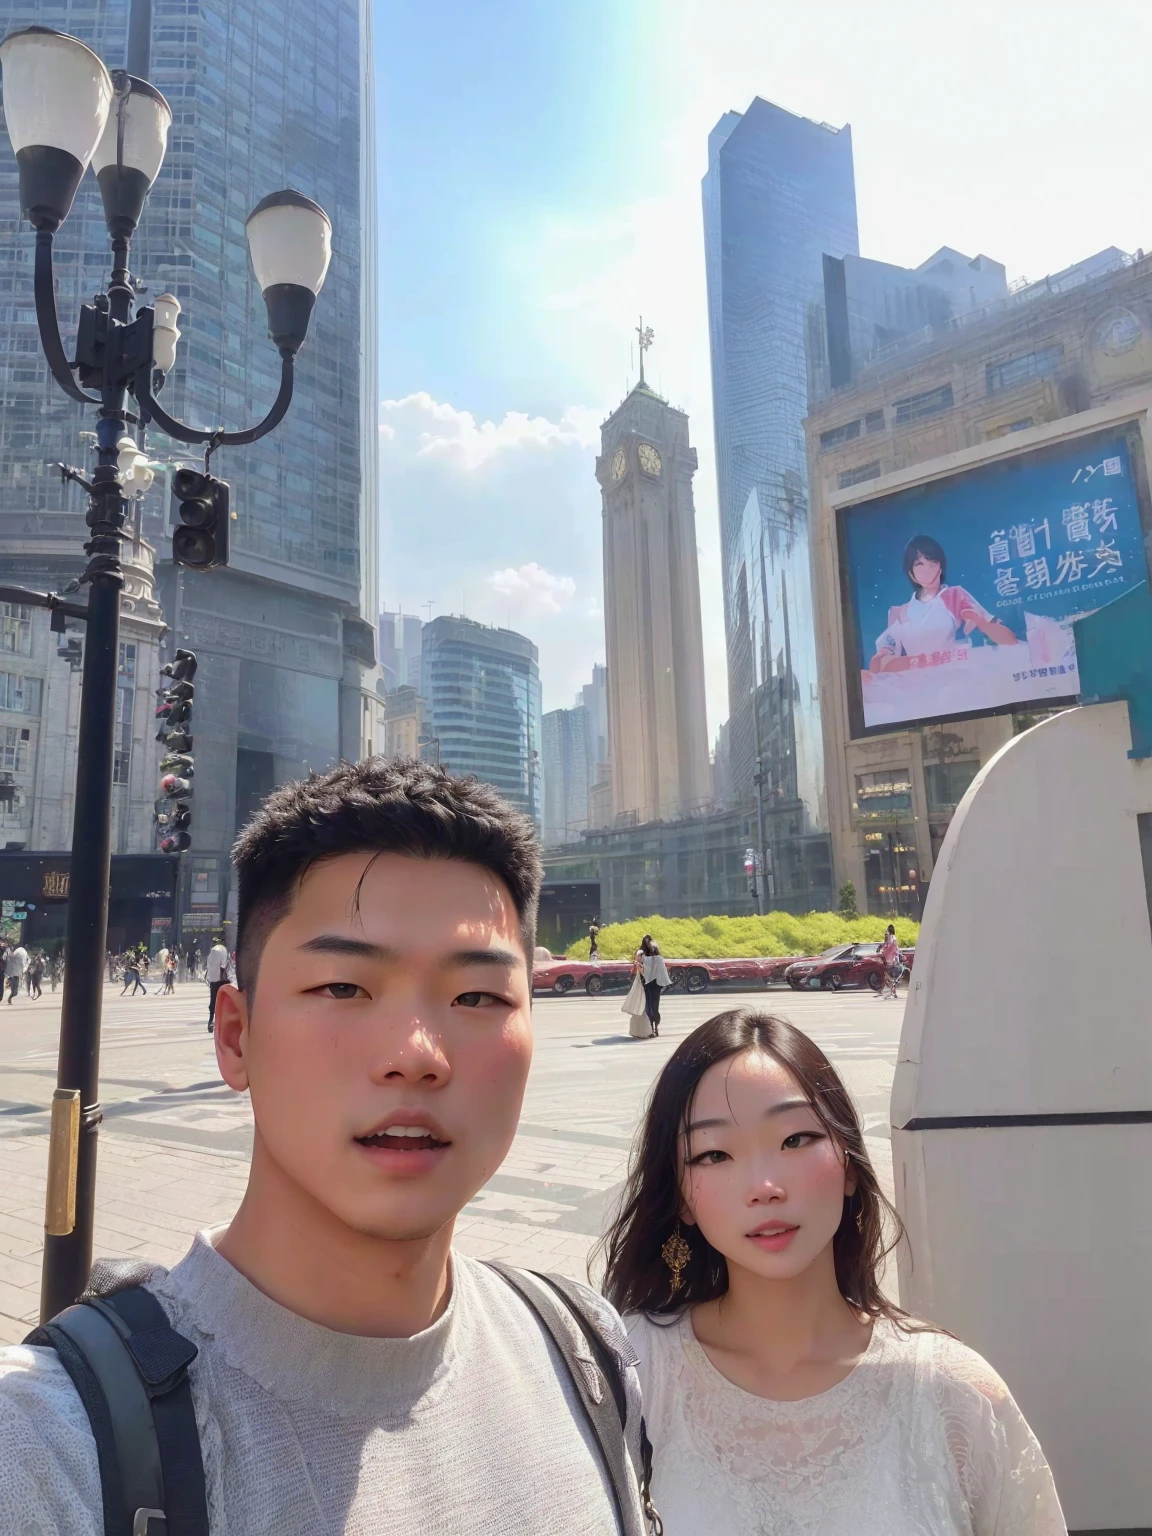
column 65, row 110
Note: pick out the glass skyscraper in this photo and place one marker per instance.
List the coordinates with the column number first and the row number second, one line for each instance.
column 481, row 689
column 265, row 94
column 779, row 194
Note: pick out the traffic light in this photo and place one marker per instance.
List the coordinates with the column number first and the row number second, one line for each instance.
column 174, row 711
column 203, row 508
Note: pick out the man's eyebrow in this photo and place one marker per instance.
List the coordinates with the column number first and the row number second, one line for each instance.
column 491, row 956
column 364, row 949
column 776, row 1109
column 340, row 944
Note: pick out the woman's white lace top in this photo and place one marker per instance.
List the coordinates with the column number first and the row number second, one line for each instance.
column 922, row 1438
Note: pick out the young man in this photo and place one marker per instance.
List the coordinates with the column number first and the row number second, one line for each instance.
column 354, row 1373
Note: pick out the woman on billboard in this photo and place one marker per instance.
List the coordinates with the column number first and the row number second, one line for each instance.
column 937, row 618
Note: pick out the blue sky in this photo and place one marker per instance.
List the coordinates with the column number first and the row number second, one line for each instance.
column 539, row 187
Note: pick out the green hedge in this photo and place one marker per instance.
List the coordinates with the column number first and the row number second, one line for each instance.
column 728, row 938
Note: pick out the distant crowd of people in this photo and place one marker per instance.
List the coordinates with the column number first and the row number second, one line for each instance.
column 29, row 967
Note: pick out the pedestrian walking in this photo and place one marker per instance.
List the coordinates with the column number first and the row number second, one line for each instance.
column 635, row 1005
column 14, row 968
column 35, row 974
column 217, row 972
column 656, row 978
column 127, row 973
column 56, row 970
column 343, row 1348
column 893, row 964
column 594, row 941
column 782, row 1389
column 170, row 973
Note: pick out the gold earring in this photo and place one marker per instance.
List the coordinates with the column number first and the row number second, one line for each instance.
column 676, row 1254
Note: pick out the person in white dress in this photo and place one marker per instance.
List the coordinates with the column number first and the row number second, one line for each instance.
column 784, row 1394
column 635, row 1005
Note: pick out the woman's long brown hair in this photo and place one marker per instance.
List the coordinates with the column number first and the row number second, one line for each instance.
column 636, row 1276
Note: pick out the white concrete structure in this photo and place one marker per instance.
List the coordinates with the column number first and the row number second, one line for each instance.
column 1022, row 1101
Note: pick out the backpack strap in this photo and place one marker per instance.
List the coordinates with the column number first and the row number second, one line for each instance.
column 572, row 1325
column 130, row 1369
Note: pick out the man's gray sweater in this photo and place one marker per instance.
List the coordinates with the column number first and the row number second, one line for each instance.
column 471, row 1428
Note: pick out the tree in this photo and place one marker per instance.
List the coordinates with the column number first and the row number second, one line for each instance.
column 848, row 900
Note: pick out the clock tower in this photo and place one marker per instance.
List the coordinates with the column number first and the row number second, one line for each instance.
column 657, row 720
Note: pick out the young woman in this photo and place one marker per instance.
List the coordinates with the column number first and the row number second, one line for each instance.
column 937, row 618
column 655, row 977
column 893, row 965
column 635, row 1005
column 784, row 1394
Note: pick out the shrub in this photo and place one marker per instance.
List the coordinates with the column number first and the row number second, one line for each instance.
column 848, row 900
column 729, row 938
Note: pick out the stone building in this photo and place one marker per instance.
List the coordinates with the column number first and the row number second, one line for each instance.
column 1049, row 351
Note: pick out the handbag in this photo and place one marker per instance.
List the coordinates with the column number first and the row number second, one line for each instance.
column 635, row 1002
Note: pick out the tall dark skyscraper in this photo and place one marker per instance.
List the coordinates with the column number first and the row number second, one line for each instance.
column 779, row 195
column 265, row 94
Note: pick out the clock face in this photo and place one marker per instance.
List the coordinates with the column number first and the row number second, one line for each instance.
column 649, row 459
column 619, row 464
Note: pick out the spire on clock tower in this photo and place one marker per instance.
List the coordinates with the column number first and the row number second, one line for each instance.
column 647, row 336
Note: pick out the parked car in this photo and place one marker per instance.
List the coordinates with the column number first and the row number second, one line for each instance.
column 844, row 965
column 559, row 975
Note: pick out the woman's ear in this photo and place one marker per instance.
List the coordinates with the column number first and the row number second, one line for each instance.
column 851, row 1182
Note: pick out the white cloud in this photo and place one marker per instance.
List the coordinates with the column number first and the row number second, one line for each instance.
column 530, row 589
column 501, row 521
column 435, row 429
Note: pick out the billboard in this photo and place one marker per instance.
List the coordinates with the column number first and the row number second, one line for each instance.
column 959, row 595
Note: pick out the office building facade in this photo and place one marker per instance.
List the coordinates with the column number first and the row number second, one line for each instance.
column 482, row 704
column 264, row 94
column 657, row 717
column 1049, row 352
column 400, row 650
column 778, row 196
column 569, row 770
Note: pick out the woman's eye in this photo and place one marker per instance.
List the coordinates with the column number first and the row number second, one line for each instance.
column 801, row 1139
column 341, row 990
column 477, row 1000
column 708, row 1159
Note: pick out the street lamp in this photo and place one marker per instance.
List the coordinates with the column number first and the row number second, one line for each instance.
column 64, row 110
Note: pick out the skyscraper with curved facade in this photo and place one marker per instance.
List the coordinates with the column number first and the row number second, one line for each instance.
column 779, row 194
column 264, row 94
column 483, row 709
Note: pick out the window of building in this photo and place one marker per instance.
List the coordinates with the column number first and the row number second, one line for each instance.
column 842, row 434
column 14, row 748
column 885, row 793
column 874, row 422
column 15, row 629
column 20, row 694
column 930, row 402
column 1041, row 364
column 1012, row 426
column 947, row 784
column 862, row 472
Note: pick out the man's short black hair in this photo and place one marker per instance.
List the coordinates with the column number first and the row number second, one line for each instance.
column 382, row 805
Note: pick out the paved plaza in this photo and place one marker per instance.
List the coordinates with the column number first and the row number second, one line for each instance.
column 175, row 1140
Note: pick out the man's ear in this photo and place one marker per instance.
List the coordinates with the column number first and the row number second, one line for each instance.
column 231, row 1036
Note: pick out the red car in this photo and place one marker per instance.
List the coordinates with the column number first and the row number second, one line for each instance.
column 844, row 965
column 558, row 975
